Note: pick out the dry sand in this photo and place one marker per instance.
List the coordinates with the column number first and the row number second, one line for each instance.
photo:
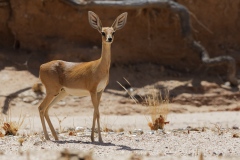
column 192, row 129
column 186, row 136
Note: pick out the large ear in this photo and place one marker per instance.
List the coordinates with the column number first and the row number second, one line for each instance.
column 94, row 21
column 120, row 21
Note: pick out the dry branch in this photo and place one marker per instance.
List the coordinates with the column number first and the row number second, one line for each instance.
column 186, row 29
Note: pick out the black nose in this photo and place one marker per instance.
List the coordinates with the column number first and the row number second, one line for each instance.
column 110, row 39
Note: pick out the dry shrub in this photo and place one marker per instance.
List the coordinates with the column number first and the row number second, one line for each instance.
column 157, row 104
column 61, row 130
column 1, row 134
column 72, row 133
column 37, row 88
column 10, row 127
column 106, row 129
column 135, row 156
column 21, row 140
column 67, row 155
column 158, row 108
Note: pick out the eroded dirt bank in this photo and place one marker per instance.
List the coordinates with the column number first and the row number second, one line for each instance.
column 153, row 35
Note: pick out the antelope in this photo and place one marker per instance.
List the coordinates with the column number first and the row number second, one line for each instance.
column 62, row 78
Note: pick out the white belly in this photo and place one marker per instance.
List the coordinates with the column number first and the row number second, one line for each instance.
column 77, row 92
column 82, row 93
column 102, row 84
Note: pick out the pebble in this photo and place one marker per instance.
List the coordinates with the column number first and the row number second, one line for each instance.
column 235, row 127
column 1, row 142
column 138, row 131
column 35, row 102
column 61, row 103
column 122, row 133
column 37, row 143
column 28, row 99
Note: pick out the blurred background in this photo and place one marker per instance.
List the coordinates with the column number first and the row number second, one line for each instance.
column 149, row 51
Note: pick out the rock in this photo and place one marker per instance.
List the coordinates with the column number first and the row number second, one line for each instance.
column 35, row 102
column 61, row 103
column 235, row 127
column 151, row 132
column 138, row 131
column 28, row 99
column 37, row 143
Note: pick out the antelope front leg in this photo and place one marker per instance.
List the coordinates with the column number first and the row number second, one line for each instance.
column 95, row 100
column 99, row 94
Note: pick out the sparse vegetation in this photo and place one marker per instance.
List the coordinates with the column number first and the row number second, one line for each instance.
column 157, row 103
column 21, row 140
column 69, row 155
column 158, row 107
column 60, row 123
column 8, row 126
column 37, row 88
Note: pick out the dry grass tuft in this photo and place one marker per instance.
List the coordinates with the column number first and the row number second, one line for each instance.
column 135, row 157
column 67, row 155
column 72, row 133
column 1, row 134
column 158, row 108
column 120, row 130
column 21, row 140
column 157, row 104
column 10, row 127
column 37, row 88
column 61, row 130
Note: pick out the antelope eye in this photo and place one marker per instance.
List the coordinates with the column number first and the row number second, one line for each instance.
column 103, row 34
column 113, row 33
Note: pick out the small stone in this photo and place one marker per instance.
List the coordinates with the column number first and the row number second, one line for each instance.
column 28, row 99
column 235, row 127
column 121, row 133
column 236, row 135
column 35, row 102
column 138, row 131
column 37, row 143
column 137, row 140
column 61, row 103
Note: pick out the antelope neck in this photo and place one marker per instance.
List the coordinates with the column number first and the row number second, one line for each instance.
column 106, row 54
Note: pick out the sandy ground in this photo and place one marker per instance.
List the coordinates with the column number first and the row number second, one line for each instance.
column 186, row 136
column 203, row 119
